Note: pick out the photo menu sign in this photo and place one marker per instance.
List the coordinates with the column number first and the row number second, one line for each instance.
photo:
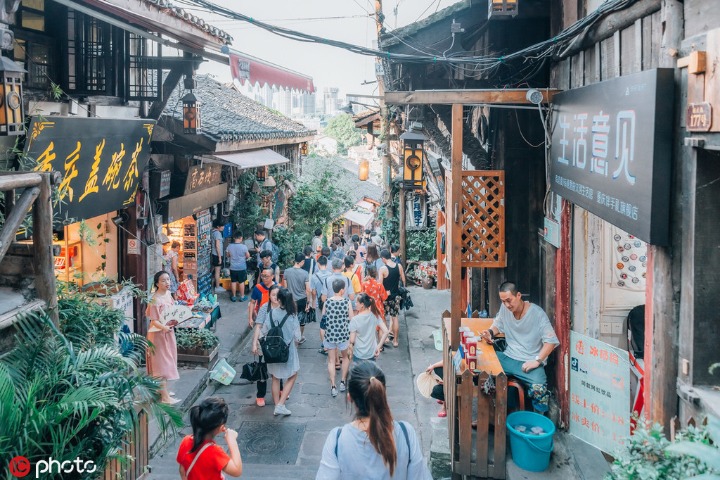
column 612, row 148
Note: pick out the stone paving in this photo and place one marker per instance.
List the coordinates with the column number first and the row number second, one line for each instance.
column 294, row 448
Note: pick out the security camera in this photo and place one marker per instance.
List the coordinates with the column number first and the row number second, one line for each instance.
column 534, row 96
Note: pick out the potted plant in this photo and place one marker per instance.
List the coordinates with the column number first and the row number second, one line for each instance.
column 196, row 345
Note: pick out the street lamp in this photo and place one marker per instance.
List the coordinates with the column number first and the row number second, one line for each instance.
column 364, row 170
column 413, row 160
column 12, row 115
column 191, row 114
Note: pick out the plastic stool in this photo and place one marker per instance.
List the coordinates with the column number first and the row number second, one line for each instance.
column 514, row 382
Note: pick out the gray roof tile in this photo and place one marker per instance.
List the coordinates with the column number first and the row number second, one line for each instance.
column 227, row 115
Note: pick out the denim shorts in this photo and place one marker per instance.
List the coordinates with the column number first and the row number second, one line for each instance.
column 342, row 346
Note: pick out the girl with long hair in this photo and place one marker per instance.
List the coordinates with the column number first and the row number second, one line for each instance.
column 286, row 372
column 199, row 456
column 162, row 353
column 373, row 445
column 363, row 330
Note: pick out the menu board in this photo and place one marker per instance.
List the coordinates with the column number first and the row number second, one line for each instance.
column 599, row 392
column 204, row 264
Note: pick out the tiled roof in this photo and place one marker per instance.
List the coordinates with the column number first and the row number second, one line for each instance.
column 227, row 115
column 183, row 14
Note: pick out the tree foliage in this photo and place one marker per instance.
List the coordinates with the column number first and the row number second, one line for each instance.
column 318, row 201
column 342, row 128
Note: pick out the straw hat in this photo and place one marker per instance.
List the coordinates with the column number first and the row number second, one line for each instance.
column 425, row 383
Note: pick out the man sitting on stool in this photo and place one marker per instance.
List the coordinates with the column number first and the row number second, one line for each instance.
column 530, row 341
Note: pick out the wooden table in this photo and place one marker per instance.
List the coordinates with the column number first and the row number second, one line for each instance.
column 463, row 391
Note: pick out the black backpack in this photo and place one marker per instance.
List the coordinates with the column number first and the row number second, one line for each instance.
column 274, row 347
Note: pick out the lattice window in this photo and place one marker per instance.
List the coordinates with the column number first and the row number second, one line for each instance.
column 90, row 54
column 143, row 81
column 483, row 219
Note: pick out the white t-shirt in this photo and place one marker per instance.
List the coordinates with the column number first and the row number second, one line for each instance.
column 365, row 339
column 525, row 337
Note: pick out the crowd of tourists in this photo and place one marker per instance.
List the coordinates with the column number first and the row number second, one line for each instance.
column 354, row 290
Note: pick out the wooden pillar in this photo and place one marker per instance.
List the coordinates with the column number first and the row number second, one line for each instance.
column 455, row 236
column 43, row 260
column 442, row 281
column 563, row 273
column 403, row 225
column 661, row 329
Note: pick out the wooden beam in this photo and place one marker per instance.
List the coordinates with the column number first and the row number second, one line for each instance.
column 43, row 260
column 12, row 181
column 468, row 97
column 15, row 219
column 455, row 211
column 171, row 81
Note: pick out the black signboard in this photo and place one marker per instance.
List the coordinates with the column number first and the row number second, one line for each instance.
column 100, row 160
column 611, row 151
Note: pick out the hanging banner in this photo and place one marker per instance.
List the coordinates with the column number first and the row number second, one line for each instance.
column 599, row 392
column 611, row 151
column 100, row 161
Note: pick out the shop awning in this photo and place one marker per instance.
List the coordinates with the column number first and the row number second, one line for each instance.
column 360, row 216
column 181, row 207
column 253, row 159
column 246, row 68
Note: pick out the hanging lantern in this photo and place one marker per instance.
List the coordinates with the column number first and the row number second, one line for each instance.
column 12, row 115
column 261, row 174
column 304, row 148
column 413, row 160
column 191, row 114
column 364, row 170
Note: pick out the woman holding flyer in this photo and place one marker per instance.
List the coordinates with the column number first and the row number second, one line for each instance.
column 162, row 353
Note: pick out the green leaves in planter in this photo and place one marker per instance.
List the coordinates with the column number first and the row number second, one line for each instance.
column 191, row 338
column 648, row 454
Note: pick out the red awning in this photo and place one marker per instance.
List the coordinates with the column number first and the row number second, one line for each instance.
column 246, row 68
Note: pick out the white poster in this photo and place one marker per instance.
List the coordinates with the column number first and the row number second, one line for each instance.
column 599, row 392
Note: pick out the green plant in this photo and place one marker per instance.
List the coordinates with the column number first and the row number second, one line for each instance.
column 648, row 454
column 196, row 338
column 65, row 398
column 421, row 244
column 388, row 216
column 342, row 128
column 317, row 202
column 248, row 212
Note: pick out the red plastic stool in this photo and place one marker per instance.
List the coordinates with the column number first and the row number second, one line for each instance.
column 513, row 382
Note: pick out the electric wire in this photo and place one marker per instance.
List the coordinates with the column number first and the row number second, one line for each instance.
column 552, row 47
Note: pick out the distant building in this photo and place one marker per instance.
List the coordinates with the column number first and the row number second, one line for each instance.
column 330, row 100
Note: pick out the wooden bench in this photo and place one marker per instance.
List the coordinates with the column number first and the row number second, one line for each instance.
column 464, row 392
